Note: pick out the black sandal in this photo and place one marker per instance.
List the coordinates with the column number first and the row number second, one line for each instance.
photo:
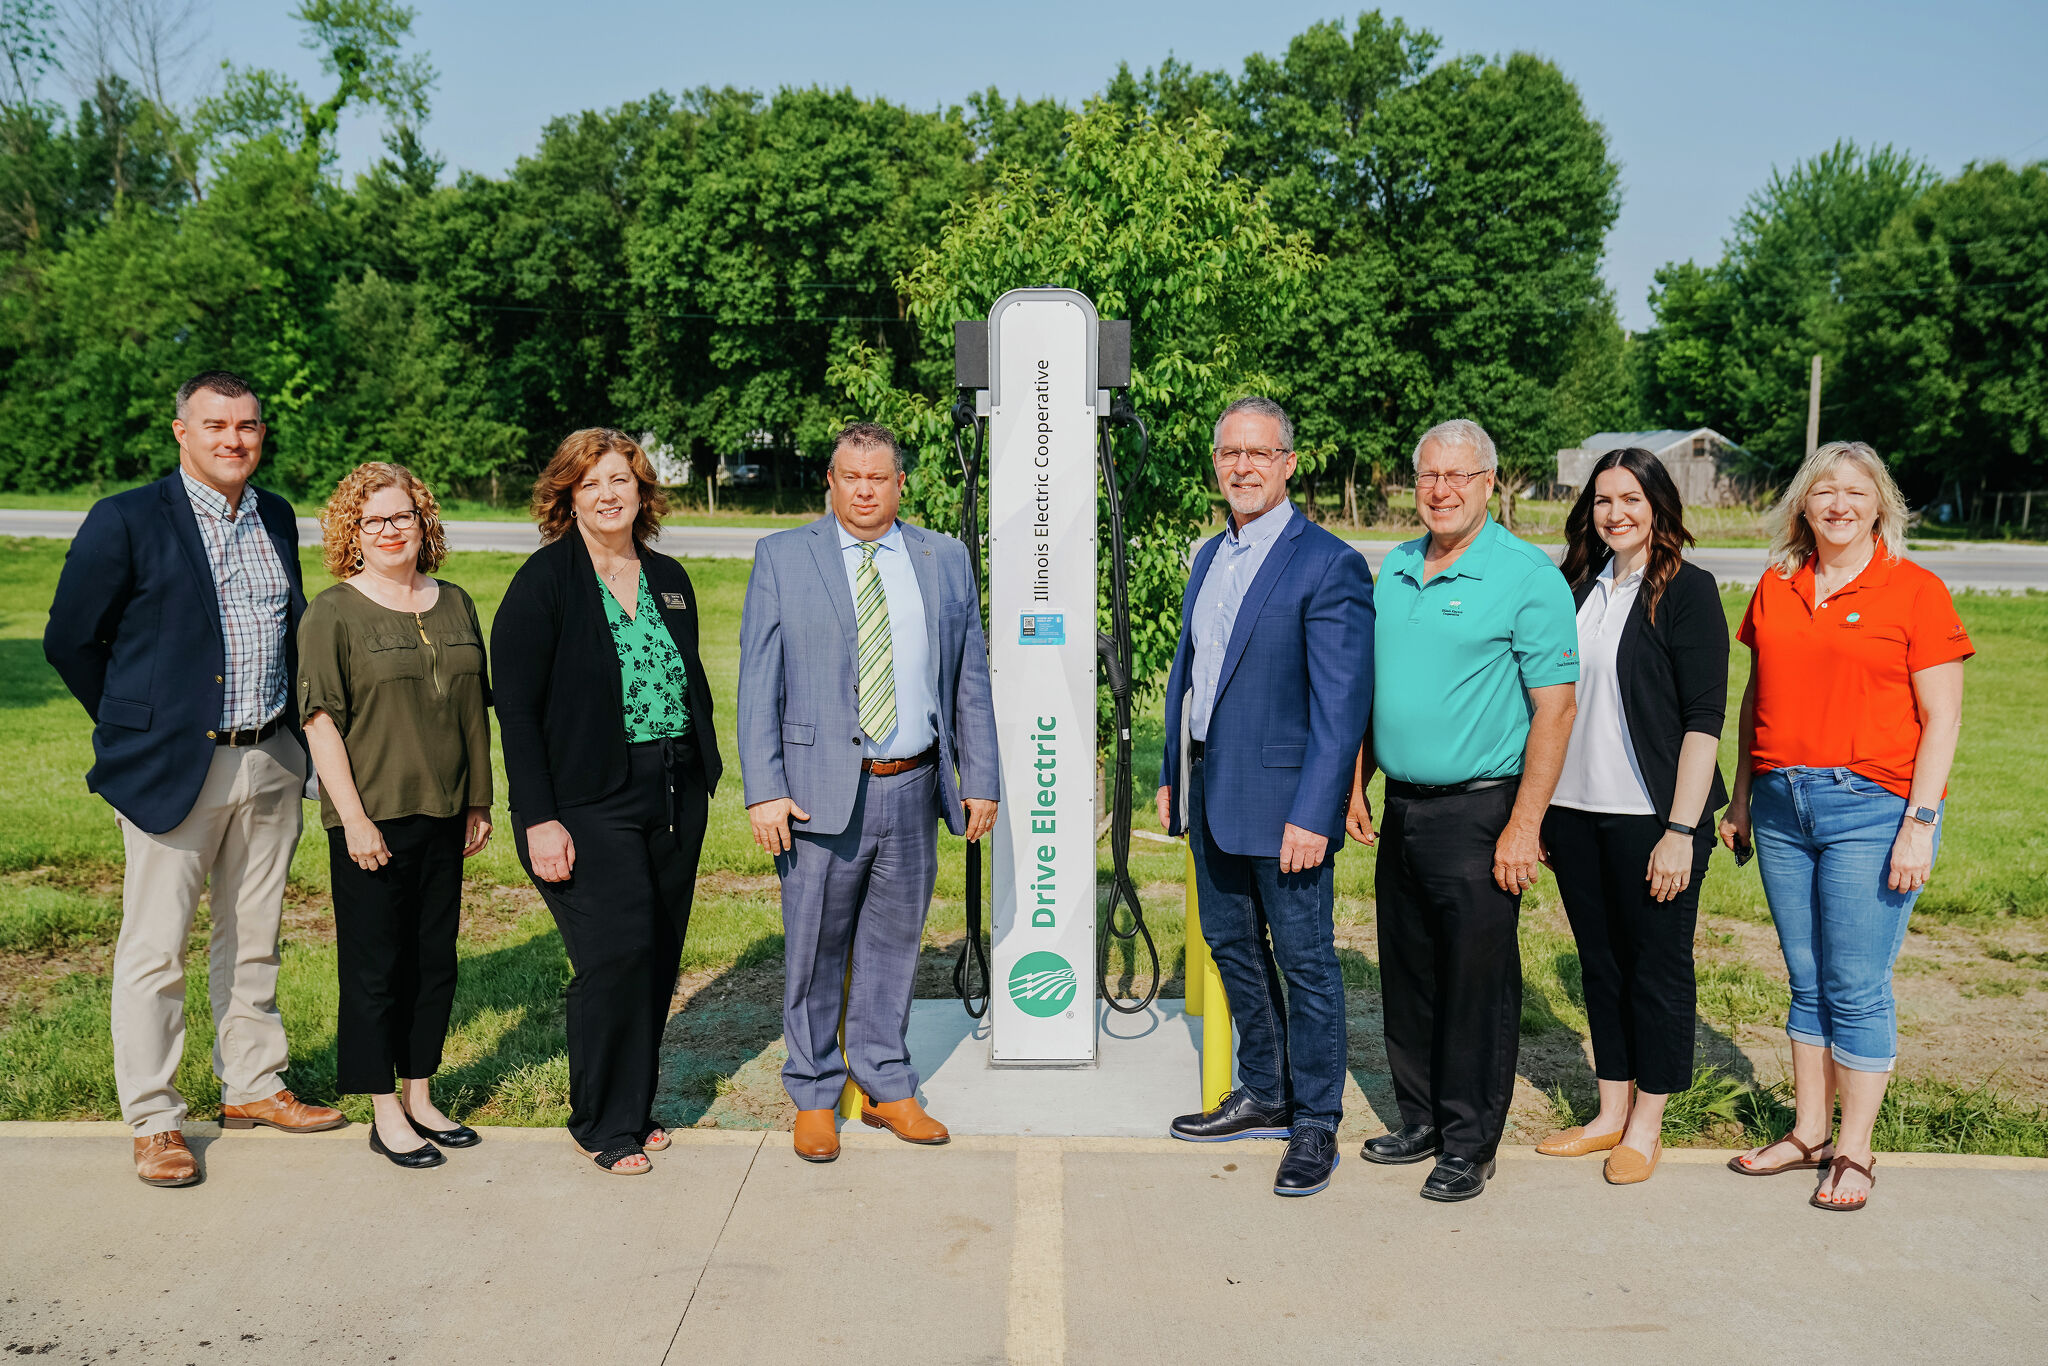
column 605, row 1160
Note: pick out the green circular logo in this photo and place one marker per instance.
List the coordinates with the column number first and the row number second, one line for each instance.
column 1042, row 984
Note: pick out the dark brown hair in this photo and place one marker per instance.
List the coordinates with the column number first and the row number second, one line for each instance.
column 222, row 382
column 553, row 491
column 1586, row 554
column 867, row 435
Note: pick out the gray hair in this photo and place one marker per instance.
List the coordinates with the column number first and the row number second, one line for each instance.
column 866, row 435
column 1261, row 407
column 1461, row 431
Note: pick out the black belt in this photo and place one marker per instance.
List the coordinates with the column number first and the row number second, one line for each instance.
column 243, row 738
column 676, row 750
column 1397, row 788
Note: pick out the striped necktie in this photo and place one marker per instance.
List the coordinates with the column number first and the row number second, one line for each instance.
column 877, row 689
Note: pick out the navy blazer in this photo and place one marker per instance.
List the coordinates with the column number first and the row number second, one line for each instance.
column 1293, row 698
column 135, row 634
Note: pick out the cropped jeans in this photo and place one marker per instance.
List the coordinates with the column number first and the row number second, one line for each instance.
column 1823, row 845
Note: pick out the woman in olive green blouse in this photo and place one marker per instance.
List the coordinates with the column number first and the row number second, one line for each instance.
column 395, row 695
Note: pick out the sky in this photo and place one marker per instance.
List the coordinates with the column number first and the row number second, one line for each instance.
column 1700, row 101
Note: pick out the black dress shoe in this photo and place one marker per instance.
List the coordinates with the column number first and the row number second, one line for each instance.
column 461, row 1136
column 1409, row 1143
column 1311, row 1157
column 1237, row 1115
column 1456, row 1178
column 420, row 1158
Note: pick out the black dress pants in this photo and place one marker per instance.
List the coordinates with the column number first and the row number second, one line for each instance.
column 394, row 939
column 1635, row 952
column 1450, row 965
column 622, row 912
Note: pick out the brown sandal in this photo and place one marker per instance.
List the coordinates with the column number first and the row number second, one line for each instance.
column 1835, row 1169
column 1807, row 1161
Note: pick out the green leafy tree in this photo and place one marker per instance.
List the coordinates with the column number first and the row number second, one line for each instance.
column 1140, row 216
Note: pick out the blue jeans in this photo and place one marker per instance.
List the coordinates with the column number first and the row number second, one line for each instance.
column 1823, row 845
column 1290, row 1049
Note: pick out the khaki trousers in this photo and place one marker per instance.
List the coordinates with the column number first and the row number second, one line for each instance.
column 239, row 836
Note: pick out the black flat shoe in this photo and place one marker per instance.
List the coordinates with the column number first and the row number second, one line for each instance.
column 1409, row 1143
column 461, row 1136
column 419, row 1159
column 1311, row 1157
column 1237, row 1115
column 1457, row 1178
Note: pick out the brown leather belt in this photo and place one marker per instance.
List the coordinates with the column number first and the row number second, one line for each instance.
column 889, row 768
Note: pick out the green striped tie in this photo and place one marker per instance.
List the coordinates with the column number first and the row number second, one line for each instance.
column 877, row 652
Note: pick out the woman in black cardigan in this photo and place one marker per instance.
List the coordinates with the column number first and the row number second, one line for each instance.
column 611, row 756
column 1631, row 824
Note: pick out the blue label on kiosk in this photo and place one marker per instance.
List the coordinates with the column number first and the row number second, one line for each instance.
column 1041, row 628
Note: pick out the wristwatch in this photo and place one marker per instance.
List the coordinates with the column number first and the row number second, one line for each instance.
column 1926, row 815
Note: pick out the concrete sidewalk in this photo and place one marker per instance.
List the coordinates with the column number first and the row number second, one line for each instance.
column 310, row 1249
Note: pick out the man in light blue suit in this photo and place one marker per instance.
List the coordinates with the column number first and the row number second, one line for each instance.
column 1265, row 710
column 864, row 719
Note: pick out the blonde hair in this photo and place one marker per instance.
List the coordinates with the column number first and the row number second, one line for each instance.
column 1792, row 542
column 339, row 533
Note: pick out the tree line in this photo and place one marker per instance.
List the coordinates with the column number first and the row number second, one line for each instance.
column 1379, row 233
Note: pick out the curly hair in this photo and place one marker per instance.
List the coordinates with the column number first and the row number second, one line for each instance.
column 339, row 538
column 554, row 491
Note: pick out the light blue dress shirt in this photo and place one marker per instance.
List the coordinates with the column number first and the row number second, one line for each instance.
column 1231, row 573
column 916, row 701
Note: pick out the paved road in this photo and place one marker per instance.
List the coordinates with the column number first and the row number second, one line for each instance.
column 310, row 1249
column 1989, row 566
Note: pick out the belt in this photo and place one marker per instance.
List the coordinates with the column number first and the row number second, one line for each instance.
column 1397, row 788
column 237, row 739
column 886, row 768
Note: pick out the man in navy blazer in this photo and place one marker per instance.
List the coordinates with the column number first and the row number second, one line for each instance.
column 864, row 720
column 175, row 625
column 1266, row 707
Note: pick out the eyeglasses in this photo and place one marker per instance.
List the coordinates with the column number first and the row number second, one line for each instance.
column 397, row 521
column 1456, row 479
column 1262, row 457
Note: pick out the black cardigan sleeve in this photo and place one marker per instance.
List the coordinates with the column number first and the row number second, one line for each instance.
column 1698, row 633
column 523, row 638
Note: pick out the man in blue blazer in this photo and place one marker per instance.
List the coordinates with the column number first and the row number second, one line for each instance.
column 175, row 626
column 1266, row 707
column 864, row 720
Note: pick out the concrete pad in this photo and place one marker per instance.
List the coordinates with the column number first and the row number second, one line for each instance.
column 311, row 1248
column 1149, row 1069
column 891, row 1253
column 1551, row 1264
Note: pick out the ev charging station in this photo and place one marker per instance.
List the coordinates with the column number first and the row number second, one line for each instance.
column 1042, row 369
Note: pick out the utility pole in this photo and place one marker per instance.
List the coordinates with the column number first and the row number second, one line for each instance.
column 1813, row 410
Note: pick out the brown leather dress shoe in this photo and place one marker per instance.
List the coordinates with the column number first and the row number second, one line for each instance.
column 817, row 1135
column 282, row 1111
column 904, row 1118
column 1573, row 1142
column 164, row 1160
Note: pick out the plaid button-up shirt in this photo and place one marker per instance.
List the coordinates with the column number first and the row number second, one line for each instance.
column 255, row 597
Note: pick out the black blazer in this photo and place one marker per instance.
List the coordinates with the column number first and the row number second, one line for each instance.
column 135, row 634
column 1674, row 678
column 558, row 689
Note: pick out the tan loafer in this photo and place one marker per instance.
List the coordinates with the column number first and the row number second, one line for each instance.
column 817, row 1135
column 1574, row 1142
column 282, row 1111
column 164, row 1160
column 904, row 1118
column 1627, row 1167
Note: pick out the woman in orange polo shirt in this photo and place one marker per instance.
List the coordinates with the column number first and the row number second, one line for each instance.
column 1848, row 731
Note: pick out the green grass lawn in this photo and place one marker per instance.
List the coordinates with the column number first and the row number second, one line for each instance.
column 60, row 886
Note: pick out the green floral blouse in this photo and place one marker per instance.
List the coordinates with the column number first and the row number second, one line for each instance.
column 656, row 685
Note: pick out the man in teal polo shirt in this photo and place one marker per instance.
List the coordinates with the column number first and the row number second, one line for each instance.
column 1475, row 653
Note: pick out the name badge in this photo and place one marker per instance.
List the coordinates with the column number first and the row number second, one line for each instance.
column 675, row 602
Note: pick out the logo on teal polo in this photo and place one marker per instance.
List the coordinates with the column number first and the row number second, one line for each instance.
column 1042, row 984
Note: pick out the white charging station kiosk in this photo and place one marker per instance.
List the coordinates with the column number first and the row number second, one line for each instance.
column 1042, row 405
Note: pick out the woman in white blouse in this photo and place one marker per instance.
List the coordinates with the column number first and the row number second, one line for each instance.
column 1631, row 825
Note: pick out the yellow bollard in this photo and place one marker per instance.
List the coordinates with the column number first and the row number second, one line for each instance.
column 1197, row 952
column 849, row 1096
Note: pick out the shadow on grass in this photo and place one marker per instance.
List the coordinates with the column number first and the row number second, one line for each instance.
column 26, row 678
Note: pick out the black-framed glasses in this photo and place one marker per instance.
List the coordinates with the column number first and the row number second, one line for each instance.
column 1456, row 479
column 397, row 521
